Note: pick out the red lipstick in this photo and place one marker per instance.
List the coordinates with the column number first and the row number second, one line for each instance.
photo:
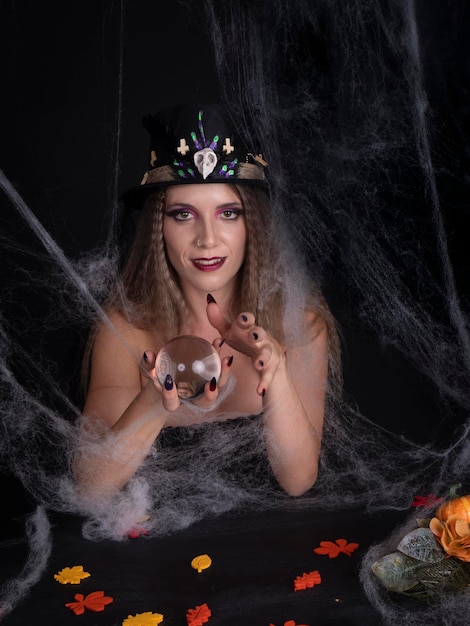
column 209, row 265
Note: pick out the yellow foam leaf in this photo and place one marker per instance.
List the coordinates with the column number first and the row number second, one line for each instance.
column 71, row 575
column 201, row 562
column 143, row 619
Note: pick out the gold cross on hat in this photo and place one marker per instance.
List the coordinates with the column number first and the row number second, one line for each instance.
column 227, row 147
column 183, row 147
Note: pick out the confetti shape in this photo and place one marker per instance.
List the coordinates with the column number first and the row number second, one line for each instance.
column 426, row 501
column 95, row 601
column 334, row 549
column 291, row 622
column 201, row 562
column 138, row 529
column 71, row 575
column 143, row 619
column 199, row 615
column 136, row 532
column 307, row 581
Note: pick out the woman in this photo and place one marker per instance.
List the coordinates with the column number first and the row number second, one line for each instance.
column 203, row 263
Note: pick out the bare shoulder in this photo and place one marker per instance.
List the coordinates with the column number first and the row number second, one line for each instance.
column 116, row 353
column 115, row 375
column 118, row 333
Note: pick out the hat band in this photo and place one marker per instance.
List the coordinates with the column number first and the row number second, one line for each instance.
column 168, row 174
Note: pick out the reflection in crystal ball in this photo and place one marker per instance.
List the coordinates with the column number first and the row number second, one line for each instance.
column 191, row 361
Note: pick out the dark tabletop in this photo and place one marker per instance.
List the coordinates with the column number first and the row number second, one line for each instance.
column 255, row 559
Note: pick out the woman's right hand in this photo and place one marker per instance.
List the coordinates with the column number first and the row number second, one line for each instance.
column 148, row 375
column 169, row 394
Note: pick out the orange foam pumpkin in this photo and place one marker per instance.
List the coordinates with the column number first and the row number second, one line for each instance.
column 457, row 506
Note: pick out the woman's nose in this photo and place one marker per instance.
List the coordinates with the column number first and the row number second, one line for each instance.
column 207, row 236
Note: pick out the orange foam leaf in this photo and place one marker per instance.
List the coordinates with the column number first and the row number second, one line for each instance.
column 341, row 546
column 199, row 615
column 307, row 581
column 94, row 601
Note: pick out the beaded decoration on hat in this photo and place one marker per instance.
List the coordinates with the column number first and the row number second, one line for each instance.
column 194, row 144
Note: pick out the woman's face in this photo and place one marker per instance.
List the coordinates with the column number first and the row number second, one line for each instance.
column 205, row 236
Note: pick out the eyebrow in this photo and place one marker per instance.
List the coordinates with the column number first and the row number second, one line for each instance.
column 186, row 205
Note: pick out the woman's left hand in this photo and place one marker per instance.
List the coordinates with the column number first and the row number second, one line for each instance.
column 244, row 336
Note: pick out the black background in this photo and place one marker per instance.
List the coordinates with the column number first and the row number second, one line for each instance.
column 62, row 67
column 67, row 71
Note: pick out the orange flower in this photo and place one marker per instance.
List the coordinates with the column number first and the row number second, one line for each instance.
column 453, row 535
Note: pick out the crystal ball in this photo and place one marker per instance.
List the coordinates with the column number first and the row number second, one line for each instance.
column 191, row 361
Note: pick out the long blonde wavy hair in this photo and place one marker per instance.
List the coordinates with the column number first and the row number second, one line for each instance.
column 148, row 293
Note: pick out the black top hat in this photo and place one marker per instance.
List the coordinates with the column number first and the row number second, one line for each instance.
column 192, row 144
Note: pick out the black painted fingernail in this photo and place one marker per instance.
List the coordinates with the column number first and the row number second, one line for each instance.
column 255, row 336
column 210, row 299
column 168, row 382
column 230, row 361
column 213, row 384
column 244, row 317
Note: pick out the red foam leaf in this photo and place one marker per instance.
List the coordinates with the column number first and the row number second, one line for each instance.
column 341, row 546
column 135, row 533
column 426, row 501
column 199, row 615
column 307, row 581
column 94, row 601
